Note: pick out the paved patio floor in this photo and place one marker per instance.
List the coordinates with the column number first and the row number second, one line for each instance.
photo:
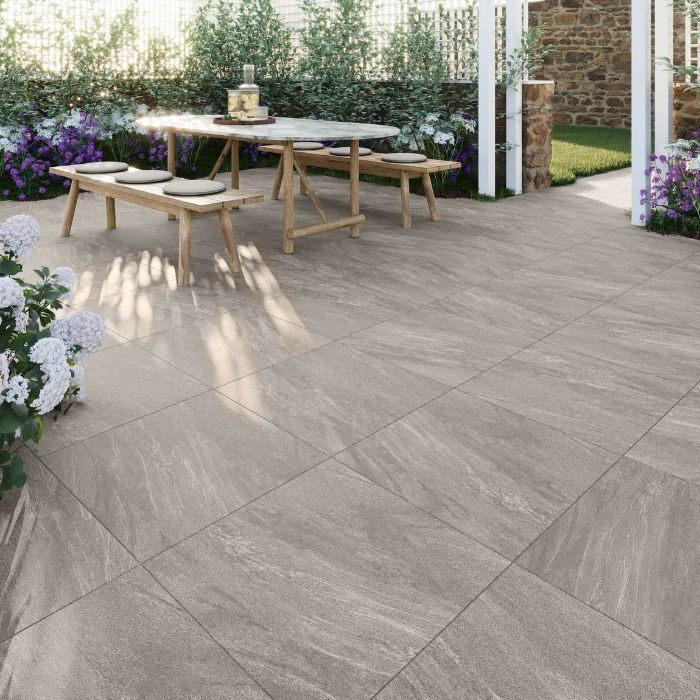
column 459, row 461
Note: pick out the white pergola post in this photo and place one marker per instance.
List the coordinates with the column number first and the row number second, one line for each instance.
column 514, row 100
column 641, row 106
column 663, row 79
column 487, row 98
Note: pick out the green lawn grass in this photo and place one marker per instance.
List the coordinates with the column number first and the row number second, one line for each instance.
column 578, row 151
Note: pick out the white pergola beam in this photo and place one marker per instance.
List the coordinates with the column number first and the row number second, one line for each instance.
column 514, row 100
column 663, row 79
column 641, row 106
column 487, row 98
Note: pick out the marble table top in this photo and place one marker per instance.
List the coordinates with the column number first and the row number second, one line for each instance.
column 285, row 129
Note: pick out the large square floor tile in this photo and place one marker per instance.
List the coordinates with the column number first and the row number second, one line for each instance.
column 333, row 396
column 673, row 444
column 438, row 344
column 122, row 383
column 493, row 474
column 524, row 639
column 231, row 345
column 602, row 402
column 327, row 586
column 129, row 639
column 157, row 480
column 630, row 547
column 52, row 550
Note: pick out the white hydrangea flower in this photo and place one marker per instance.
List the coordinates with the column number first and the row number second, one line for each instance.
column 21, row 320
column 444, row 138
column 65, row 277
column 78, row 382
column 50, row 355
column 11, row 294
column 5, row 360
column 19, row 234
column 17, row 390
column 84, row 329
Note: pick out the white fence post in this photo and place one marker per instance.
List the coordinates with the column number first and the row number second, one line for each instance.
column 663, row 79
column 641, row 106
column 487, row 98
column 514, row 99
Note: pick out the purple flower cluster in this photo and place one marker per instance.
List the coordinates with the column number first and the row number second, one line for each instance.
column 674, row 192
column 27, row 166
column 467, row 157
column 155, row 152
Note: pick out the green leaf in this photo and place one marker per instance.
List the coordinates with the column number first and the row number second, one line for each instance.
column 9, row 267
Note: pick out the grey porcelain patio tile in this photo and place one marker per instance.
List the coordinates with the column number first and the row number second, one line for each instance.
column 515, row 305
column 123, row 383
column 71, row 252
column 129, row 639
column 673, row 444
column 158, row 479
column 644, row 329
column 327, row 586
column 333, row 396
column 438, row 344
column 53, row 550
column 491, row 473
column 143, row 312
column 231, row 345
column 524, row 639
column 630, row 547
column 636, row 239
column 602, row 402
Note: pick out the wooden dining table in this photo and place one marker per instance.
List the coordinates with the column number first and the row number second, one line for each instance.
column 285, row 132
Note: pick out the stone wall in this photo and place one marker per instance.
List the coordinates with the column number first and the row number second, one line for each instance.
column 589, row 59
column 686, row 111
column 537, row 136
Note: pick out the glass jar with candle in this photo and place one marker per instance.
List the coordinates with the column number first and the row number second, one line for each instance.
column 249, row 91
column 234, row 101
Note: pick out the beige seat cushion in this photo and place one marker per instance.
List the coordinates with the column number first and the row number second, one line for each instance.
column 345, row 151
column 102, row 167
column 143, row 177
column 308, row 146
column 193, row 188
column 404, row 158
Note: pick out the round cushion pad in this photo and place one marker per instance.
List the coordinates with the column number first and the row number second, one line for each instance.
column 143, row 177
column 307, row 146
column 101, row 167
column 193, row 188
column 345, row 151
column 404, row 158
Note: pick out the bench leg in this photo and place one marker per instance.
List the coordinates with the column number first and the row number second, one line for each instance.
column 111, row 212
column 405, row 200
column 288, row 176
column 183, row 263
column 70, row 208
column 278, row 179
column 235, row 165
column 172, row 154
column 430, row 196
column 354, row 185
column 234, row 262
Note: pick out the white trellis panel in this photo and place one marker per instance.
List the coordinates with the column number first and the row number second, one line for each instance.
column 487, row 98
column 641, row 105
column 514, row 100
column 663, row 79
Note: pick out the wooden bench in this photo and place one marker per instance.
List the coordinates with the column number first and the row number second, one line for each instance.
column 153, row 197
column 370, row 165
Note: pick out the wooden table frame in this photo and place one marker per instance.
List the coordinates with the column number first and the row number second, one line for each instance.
column 290, row 163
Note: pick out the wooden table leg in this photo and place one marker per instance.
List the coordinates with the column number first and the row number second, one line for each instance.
column 405, row 200
column 183, row 263
column 430, row 196
column 235, row 165
column 172, row 155
column 354, row 185
column 220, row 160
column 70, row 208
column 278, row 179
column 111, row 212
column 302, row 173
column 288, row 181
column 232, row 258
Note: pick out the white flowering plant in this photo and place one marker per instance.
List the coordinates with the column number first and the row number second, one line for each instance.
column 41, row 356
